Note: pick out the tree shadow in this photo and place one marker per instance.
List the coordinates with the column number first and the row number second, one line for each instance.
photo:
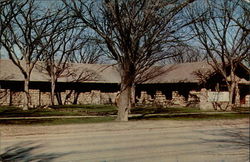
column 231, row 139
column 237, row 137
column 24, row 151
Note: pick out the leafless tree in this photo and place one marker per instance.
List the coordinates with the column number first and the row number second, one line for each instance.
column 8, row 11
column 136, row 32
column 66, row 45
column 222, row 28
column 78, row 75
column 22, row 37
column 6, row 15
column 90, row 53
column 185, row 53
column 62, row 42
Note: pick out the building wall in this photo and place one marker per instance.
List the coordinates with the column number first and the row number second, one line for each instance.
column 4, row 97
column 39, row 98
column 167, row 89
column 96, row 93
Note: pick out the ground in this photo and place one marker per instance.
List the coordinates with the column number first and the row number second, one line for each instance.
column 161, row 140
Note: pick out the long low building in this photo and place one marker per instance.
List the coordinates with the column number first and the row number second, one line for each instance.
column 99, row 83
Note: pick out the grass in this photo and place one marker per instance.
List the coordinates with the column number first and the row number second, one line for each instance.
column 93, row 108
column 170, row 110
column 192, row 116
column 65, row 110
column 18, row 112
column 57, row 121
column 88, row 109
column 242, row 109
column 147, row 113
column 85, row 110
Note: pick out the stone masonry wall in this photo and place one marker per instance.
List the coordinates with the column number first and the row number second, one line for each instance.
column 4, row 97
column 247, row 101
column 39, row 98
column 144, row 98
column 203, row 99
column 16, row 98
column 205, row 104
column 43, row 98
column 35, row 97
column 178, row 99
column 159, row 99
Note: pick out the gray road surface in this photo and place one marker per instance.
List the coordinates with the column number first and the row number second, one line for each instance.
column 146, row 141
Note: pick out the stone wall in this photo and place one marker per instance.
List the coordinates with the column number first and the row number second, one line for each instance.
column 109, row 98
column 44, row 98
column 16, row 98
column 4, row 97
column 202, row 99
column 195, row 99
column 39, row 98
column 199, row 99
column 247, row 101
column 144, row 98
column 159, row 99
column 35, row 97
column 178, row 99
column 84, row 98
column 205, row 104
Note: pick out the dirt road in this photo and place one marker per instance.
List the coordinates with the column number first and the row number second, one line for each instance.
column 217, row 140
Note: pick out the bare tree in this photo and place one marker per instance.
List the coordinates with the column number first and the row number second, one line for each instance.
column 22, row 38
column 67, row 44
column 222, row 28
column 61, row 44
column 90, row 53
column 185, row 53
column 136, row 32
column 8, row 11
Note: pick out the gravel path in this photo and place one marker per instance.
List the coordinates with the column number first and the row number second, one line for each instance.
column 164, row 140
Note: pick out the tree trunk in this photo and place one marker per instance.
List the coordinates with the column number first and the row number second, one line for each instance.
column 68, row 97
column 124, row 103
column 76, row 95
column 232, row 90
column 133, row 101
column 125, row 98
column 59, row 98
column 231, row 96
column 53, row 87
column 27, row 99
column 237, row 95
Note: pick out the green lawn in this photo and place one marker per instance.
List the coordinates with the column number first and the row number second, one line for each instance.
column 57, row 121
column 169, row 110
column 192, row 116
column 104, row 111
column 65, row 110
column 86, row 110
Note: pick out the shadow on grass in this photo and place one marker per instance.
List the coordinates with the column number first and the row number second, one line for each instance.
column 59, row 110
column 190, row 116
column 57, row 121
column 160, row 110
column 24, row 151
